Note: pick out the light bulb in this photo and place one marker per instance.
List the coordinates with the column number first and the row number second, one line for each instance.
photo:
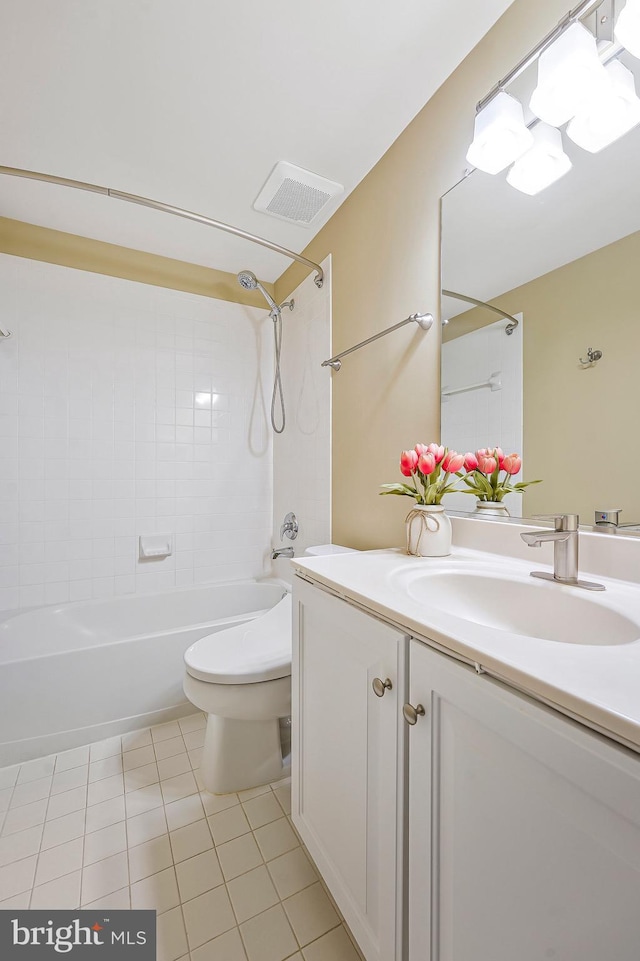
column 613, row 113
column 541, row 166
column 500, row 135
column 627, row 30
column 569, row 73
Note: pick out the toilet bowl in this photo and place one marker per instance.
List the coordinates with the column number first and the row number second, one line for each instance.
column 241, row 677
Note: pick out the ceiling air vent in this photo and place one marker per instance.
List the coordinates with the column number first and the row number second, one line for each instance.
column 294, row 194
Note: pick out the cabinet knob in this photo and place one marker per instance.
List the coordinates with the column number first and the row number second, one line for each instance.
column 379, row 687
column 412, row 713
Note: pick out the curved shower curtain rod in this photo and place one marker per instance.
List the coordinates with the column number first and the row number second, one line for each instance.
column 513, row 321
column 167, row 209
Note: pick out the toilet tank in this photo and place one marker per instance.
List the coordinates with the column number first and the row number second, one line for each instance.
column 282, row 570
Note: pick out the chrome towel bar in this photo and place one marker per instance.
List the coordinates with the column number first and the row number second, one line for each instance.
column 423, row 321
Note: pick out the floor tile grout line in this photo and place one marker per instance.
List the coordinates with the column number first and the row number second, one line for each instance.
column 259, row 914
column 181, row 905
column 46, row 811
column 126, row 838
column 340, row 924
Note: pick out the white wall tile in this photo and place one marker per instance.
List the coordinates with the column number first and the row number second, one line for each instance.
column 102, row 421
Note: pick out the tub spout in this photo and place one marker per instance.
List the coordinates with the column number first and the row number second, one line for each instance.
column 282, row 552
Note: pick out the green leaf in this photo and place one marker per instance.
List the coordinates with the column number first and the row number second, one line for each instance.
column 400, row 489
column 522, row 484
column 483, row 484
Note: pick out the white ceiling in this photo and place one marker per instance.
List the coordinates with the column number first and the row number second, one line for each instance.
column 193, row 102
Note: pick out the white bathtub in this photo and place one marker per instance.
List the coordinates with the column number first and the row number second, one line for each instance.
column 77, row 673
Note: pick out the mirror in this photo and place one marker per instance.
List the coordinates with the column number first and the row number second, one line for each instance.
column 566, row 263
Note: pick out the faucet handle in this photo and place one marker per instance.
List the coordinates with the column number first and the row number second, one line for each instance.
column 289, row 527
column 563, row 522
column 609, row 518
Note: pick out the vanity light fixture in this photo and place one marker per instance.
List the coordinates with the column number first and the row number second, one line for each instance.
column 612, row 113
column 627, row 29
column 543, row 164
column 599, row 103
column 500, row 135
column 570, row 74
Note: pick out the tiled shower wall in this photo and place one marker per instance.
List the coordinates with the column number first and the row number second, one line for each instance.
column 127, row 409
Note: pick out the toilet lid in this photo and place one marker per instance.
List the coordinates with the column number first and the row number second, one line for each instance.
column 247, row 653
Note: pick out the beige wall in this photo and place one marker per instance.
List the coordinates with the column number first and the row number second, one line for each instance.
column 385, row 246
column 579, row 422
column 69, row 250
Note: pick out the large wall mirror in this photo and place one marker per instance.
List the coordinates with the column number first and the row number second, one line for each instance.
column 566, row 264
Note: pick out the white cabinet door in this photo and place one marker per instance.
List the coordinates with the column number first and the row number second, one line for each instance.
column 346, row 759
column 524, row 838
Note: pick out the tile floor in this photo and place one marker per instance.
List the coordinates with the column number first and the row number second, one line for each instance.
column 123, row 823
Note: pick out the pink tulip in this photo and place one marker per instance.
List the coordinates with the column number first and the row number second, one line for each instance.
column 408, row 462
column 452, row 462
column 486, row 464
column 470, row 461
column 499, row 453
column 427, row 463
column 437, row 451
column 512, row 464
column 421, row 449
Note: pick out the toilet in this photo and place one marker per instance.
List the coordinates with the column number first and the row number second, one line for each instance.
column 241, row 677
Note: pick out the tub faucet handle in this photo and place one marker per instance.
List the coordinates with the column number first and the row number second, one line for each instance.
column 289, row 527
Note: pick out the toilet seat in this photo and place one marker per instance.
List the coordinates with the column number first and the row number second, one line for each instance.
column 245, row 654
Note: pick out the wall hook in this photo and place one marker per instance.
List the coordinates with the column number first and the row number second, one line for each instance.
column 593, row 356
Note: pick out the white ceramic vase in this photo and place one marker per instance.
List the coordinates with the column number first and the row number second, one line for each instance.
column 428, row 531
column 492, row 509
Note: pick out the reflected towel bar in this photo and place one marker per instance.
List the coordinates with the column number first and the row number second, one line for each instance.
column 425, row 321
column 167, row 209
column 513, row 321
column 494, row 383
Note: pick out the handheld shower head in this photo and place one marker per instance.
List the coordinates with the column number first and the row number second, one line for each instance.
column 249, row 281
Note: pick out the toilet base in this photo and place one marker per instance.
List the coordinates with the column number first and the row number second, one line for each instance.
column 238, row 754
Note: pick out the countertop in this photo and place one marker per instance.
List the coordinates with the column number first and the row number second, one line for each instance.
column 597, row 684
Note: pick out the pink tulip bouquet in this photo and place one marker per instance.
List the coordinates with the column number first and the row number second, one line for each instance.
column 430, row 468
column 489, row 472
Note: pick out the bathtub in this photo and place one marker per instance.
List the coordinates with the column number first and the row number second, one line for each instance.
column 77, row 673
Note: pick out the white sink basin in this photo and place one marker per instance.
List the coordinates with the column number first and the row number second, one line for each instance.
column 520, row 605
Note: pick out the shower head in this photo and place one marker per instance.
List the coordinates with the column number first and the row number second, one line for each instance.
column 249, row 281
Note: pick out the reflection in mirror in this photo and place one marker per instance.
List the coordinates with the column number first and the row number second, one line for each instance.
column 565, row 262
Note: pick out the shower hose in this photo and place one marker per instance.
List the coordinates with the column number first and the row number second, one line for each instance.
column 277, row 382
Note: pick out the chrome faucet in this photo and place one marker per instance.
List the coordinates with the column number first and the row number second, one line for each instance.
column 282, row 552
column 565, row 550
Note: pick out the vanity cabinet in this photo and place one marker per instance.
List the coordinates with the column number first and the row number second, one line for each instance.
column 523, row 827
column 518, row 836
column 348, row 745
